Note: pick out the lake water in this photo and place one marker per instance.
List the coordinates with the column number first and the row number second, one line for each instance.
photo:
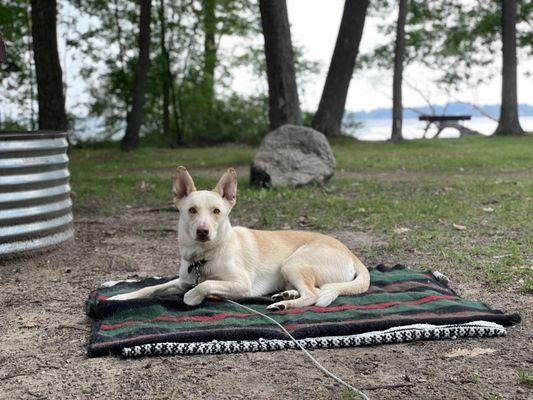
column 371, row 129
column 380, row 129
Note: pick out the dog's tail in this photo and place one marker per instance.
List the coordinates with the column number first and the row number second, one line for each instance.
column 330, row 291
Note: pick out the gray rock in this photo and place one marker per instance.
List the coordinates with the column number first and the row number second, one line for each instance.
column 293, row 156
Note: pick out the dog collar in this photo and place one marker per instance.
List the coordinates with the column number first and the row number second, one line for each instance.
column 196, row 267
column 196, row 264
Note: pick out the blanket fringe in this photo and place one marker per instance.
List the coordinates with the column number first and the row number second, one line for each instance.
column 400, row 334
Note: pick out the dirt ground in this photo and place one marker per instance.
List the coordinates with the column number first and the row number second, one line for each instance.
column 43, row 333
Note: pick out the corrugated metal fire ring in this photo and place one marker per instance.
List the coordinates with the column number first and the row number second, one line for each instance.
column 35, row 204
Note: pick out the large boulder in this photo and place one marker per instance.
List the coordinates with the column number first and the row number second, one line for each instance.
column 293, row 156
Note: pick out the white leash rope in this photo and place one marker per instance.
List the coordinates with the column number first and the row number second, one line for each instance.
column 323, row 369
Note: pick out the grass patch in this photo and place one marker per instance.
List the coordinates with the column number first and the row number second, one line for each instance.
column 438, row 155
column 411, row 193
column 149, row 158
column 525, row 377
column 348, row 394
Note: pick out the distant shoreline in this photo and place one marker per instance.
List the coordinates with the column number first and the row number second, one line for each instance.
column 455, row 108
column 377, row 129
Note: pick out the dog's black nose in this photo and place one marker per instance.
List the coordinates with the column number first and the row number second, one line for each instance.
column 202, row 233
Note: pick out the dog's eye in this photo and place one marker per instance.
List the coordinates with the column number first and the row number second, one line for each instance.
column 216, row 211
column 193, row 210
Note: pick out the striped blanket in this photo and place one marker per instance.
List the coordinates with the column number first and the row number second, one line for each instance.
column 402, row 304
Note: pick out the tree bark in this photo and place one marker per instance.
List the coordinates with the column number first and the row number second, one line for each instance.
column 284, row 106
column 210, row 49
column 135, row 116
column 177, row 113
column 508, row 123
column 51, row 99
column 328, row 118
column 3, row 54
column 166, row 74
column 399, row 55
column 118, row 30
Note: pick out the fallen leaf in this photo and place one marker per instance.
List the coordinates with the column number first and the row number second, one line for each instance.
column 146, row 186
column 304, row 221
column 459, row 227
column 476, row 351
column 401, row 230
column 502, row 255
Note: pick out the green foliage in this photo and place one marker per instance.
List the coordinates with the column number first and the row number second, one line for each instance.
column 17, row 80
column 525, row 377
column 9, row 124
column 348, row 394
column 454, row 38
column 194, row 115
column 232, row 119
column 235, row 118
column 102, row 36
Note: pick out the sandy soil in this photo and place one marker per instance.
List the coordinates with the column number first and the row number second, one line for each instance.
column 44, row 331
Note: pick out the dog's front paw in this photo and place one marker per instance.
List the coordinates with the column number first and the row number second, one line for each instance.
column 193, row 297
column 120, row 297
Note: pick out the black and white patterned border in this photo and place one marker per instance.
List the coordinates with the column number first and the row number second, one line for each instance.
column 398, row 334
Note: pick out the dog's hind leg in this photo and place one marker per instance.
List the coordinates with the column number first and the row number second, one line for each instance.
column 299, row 275
column 310, row 267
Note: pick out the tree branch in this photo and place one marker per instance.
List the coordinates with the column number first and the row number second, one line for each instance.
column 478, row 108
column 392, row 386
column 421, row 94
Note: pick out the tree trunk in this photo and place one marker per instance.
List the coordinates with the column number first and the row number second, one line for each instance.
column 134, row 120
column 3, row 53
column 328, row 118
column 210, row 49
column 118, row 30
column 177, row 113
column 284, row 106
column 169, row 92
column 31, row 77
column 509, row 123
column 399, row 54
column 52, row 115
column 166, row 75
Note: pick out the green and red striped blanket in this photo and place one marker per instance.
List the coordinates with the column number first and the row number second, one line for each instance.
column 398, row 306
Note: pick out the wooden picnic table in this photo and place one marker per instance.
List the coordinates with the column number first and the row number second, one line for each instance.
column 439, row 118
column 447, row 121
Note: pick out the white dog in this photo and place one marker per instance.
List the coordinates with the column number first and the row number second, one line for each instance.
column 234, row 262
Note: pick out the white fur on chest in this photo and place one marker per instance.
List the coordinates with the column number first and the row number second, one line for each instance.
column 233, row 257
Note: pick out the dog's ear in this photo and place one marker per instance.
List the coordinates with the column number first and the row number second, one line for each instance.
column 183, row 184
column 227, row 186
